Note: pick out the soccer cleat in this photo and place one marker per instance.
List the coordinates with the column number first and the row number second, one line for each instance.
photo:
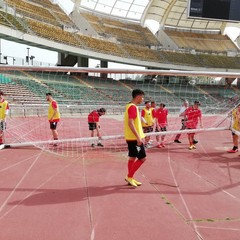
column 100, row 145
column 159, row 146
column 150, row 142
column 192, row 147
column 232, row 151
column 137, row 182
column 53, row 144
column 147, row 145
column 92, row 145
column 177, row 141
column 163, row 145
column 195, row 141
column 131, row 181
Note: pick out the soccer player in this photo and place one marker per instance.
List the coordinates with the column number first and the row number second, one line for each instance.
column 184, row 119
column 154, row 109
column 53, row 116
column 93, row 124
column 4, row 109
column 193, row 114
column 134, row 136
column 235, row 126
column 147, row 121
column 161, row 123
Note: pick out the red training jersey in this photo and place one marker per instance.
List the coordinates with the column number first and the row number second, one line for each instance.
column 153, row 112
column 93, row 117
column 161, row 115
column 132, row 112
column 192, row 115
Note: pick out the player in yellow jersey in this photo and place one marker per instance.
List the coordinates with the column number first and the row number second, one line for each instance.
column 147, row 121
column 236, row 127
column 134, row 136
column 4, row 108
column 53, row 115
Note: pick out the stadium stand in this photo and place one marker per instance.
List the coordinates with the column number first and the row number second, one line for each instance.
column 123, row 32
column 203, row 42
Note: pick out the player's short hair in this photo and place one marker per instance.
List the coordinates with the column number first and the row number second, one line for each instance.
column 146, row 102
column 137, row 92
column 102, row 110
column 48, row 94
column 162, row 104
column 1, row 93
column 197, row 103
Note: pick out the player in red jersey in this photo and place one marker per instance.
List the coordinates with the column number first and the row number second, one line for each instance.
column 183, row 120
column 4, row 109
column 93, row 123
column 193, row 114
column 161, row 122
column 154, row 109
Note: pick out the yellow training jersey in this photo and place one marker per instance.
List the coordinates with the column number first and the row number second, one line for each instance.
column 52, row 107
column 148, row 116
column 137, row 123
column 236, row 120
column 3, row 108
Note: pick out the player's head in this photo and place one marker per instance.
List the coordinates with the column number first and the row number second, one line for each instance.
column 138, row 95
column 1, row 94
column 162, row 105
column 153, row 104
column 185, row 103
column 196, row 104
column 101, row 111
column 48, row 96
column 148, row 104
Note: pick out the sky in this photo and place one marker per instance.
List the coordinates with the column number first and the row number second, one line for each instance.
column 20, row 51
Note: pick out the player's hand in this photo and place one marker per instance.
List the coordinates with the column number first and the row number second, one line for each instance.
column 139, row 142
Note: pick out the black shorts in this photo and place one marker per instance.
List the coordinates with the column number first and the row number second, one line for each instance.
column 53, row 125
column 148, row 129
column 162, row 129
column 92, row 126
column 136, row 151
column 2, row 125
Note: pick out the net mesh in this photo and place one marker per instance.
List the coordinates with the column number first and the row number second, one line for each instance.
column 79, row 91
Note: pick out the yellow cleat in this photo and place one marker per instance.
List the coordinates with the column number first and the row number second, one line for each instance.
column 131, row 181
column 137, row 182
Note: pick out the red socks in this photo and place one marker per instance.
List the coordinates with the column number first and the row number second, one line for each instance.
column 133, row 166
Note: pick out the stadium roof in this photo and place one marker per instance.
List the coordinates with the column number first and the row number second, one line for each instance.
column 132, row 9
column 171, row 13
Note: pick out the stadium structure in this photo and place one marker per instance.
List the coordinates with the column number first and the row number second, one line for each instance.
column 117, row 32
